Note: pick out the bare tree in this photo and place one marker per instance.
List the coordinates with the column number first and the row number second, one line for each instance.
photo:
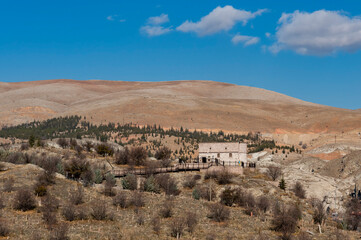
column 24, row 200
column 218, row 212
column 299, row 190
column 274, row 172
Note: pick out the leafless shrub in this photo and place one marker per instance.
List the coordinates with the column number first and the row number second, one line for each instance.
column 81, row 213
column 138, row 155
column 49, row 164
column 166, row 210
column 88, row 146
column 190, row 183
column 140, row 219
column 104, row 149
column 15, row 158
column 63, row 143
column 24, row 146
column 120, row 199
column 229, row 196
column 76, row 167
column 77, row 195
column 218, row 212
column 191, row 221
column 210, row 174
column 122, row 157
column 60, row 233
column 2, row 203
column 9, row 184
column 208, row 192
column 109, row 185
column 137, row 199
column 48, row 209
column 99, row 211
column 24, row 200
column 69, row 212
column 319, row 214
column 156, row 224
column 163, row 153
column 285, row 221
column 168, row 184
column 263, row 203
column 274, row 172
column 177, row 226
column 299, row 190
column 304, row 236
column 353, row 214
column 224, row 177
column 4, row 229
column 211, row 236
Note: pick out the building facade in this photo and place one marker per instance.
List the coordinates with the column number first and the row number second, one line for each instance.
column 227, row 152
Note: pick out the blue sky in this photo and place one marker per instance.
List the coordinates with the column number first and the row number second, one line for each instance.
column 312, row 52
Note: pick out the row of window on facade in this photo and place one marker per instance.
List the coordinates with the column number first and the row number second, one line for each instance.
column 219, row 155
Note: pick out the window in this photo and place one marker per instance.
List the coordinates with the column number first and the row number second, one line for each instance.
column 218, row 155
column 230, row 155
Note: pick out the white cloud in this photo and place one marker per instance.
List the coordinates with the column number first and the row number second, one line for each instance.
column 318, row 33
column 152, row 31
column 220, row 19
column 115, row 18
column 158, row 20
column 267, row 34
column 246, row 40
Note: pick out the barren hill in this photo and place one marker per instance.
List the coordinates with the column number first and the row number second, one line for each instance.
column 191, row 104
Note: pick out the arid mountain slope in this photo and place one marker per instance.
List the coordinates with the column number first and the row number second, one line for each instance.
column 191, row 104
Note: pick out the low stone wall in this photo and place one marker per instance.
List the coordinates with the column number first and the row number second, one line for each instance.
column 233, row 170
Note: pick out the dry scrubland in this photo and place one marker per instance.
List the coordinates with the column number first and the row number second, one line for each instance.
column 192, row 104
column 247, row 206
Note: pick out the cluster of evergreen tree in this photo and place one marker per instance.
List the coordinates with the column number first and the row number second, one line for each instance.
column 78, row 127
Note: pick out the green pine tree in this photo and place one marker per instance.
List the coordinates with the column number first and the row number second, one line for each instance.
column 282, row 184
column 31, row 141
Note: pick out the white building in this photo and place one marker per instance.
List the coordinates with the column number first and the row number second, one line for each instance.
column 227, row 152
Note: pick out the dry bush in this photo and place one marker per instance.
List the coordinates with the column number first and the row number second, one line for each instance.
column 207, row 192
column 100, row 211
column 263, row 203
column 48, row 209
column 304, row 236
column 176, row 227
column 163, row 153
column 299, row 190
column 49, row 164
column 122, row 157
column 4, row 229
column 224, row 177
column 140, row 218
column 166, row 210
column 274, row 172
column 109, row 185
column 210, row 174
column 73, row 143
column 120, row 199
column 15, row 158
column 155, row 222
column 76, row 167
column 2, row 203
column 285, row 220
column 191, row 221
column 319, row 214
column 137, row 199
column 77, row 195
column 24, row 146
column 88, row 145
column 138, row 155
column 40, row 190
column 63, row 143
column 9, row 185
column 60, row 232
column 190, row 182
column 218, row 212
column 352, row 215
column 211, row 236
column 24, row 200
column 69, row 212
column 168, row 184
column 81, row 213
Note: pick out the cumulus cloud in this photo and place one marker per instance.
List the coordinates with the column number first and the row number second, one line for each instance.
column 246, row 40
column 158, row 20
column 318, row 33
column 220, row 19
column 152, row 31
